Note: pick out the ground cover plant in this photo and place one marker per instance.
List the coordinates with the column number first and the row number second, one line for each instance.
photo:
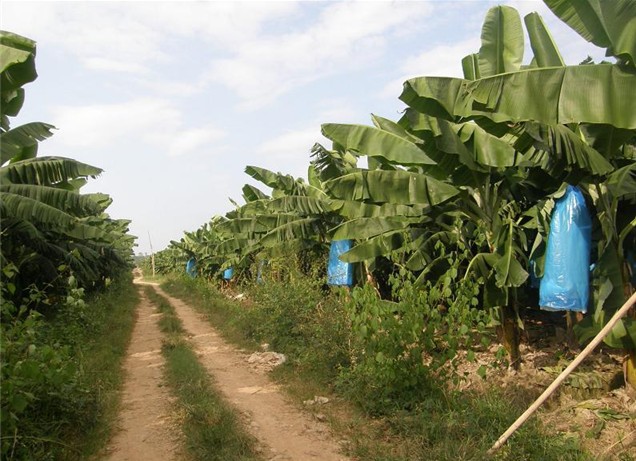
column 61, row 375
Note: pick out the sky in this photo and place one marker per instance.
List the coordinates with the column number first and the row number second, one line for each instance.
column 174, row 99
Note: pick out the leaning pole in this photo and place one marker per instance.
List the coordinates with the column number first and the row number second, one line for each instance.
column 564, row 374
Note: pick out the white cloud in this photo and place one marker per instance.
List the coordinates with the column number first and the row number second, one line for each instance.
column 440, row 61
column 112, row 65
column 193, row 140
column 346, row 35
column 137, row 34
column 154, row 122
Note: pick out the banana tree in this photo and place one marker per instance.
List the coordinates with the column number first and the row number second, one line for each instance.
column 48, row 228
column 529, row 107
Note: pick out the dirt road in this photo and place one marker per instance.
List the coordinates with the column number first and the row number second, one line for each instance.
column 145, row 431
column 284, row 431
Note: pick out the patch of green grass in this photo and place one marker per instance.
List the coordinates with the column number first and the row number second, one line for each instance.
column 463, row 426
column 212, row 428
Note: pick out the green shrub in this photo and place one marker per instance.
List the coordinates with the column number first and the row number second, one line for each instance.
column 60, row 372
column 402, row 347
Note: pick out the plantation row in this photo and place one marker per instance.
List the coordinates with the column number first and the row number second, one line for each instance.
column 57, row 246
column 449, row 222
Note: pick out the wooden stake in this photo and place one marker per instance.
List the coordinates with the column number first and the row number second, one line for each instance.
column 564, row 374
column 152, row 255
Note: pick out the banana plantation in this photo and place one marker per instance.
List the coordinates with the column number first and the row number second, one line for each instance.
column 456, row 197
column 412, row 245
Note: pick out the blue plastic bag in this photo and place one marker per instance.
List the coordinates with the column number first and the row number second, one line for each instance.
column 228, row 273
column 339, row 272
column 191, row 267
column 565, row 283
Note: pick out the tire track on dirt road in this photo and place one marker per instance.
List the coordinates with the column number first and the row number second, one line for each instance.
column 145, row 429
column 285, row 432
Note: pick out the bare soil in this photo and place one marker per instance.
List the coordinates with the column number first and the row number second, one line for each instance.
column 148, row 431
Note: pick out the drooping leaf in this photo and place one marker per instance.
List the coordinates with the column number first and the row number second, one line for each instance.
column 530, row 95
column 300, row 204
column 355, row 209
column 362, row 228
column 69, row 202
column 21, row 143
column 623, row 181
column 380, row 245
column 397, row 187
column 46, row 171
column 608, row 24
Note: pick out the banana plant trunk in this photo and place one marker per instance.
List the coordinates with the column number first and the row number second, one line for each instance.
column 510, row 335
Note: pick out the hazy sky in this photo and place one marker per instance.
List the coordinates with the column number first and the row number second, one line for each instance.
column 174, row 99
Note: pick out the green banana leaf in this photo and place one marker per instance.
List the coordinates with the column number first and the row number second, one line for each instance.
column 46, row 171
column 296, row 229
column 251, row 193
column 622, row 181
column 300, row 204
column 69, row 202
column 380, row 245
column 546, row 95
column 608, row 24
column 362, row 228
column 470, row 66
column 374, row 142
column 48, row 217
column 21, row 143
column 17, row 68
column 501, row 42
column 398, row 187
column 355, row 209
column 545, row 50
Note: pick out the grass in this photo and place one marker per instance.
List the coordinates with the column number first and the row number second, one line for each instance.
column 441, row 426
column 212, row 429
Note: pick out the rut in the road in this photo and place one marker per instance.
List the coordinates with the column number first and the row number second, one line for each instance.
column 145, row 431
column 285, row 432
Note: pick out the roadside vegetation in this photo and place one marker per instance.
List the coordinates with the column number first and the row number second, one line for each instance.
column 67, row 301
column 211, row 427
column 62, row 373
column 382, row 414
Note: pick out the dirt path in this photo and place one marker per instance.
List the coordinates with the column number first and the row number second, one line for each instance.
column 285, row 432
column 145, row 431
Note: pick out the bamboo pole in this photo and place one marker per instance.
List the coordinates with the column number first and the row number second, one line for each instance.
column 564, row 374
